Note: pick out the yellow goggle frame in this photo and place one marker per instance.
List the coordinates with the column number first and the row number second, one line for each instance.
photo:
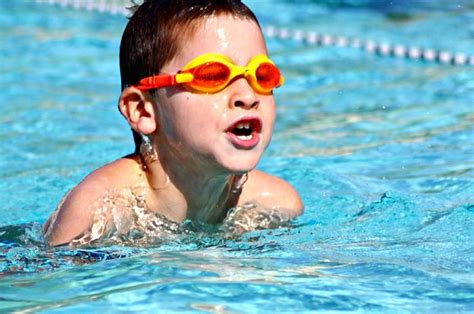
column 211, row 73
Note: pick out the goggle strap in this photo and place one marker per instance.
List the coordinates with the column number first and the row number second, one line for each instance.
column 156, row 81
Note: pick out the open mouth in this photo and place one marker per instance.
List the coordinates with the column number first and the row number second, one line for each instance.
column 245, row 133
column 244, row 129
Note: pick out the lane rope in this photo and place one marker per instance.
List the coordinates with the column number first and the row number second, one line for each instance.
column 305, row 37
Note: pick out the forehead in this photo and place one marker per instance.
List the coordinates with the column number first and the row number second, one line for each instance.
column 238, row 38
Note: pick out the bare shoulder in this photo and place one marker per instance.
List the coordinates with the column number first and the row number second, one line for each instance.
column 271, row 192
column 74, row 214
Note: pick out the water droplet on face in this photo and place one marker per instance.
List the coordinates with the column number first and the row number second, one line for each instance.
column 223, row 40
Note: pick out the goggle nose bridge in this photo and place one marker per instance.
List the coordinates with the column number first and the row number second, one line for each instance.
column 242, row 72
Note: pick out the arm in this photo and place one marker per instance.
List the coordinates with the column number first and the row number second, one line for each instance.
column 75, row 214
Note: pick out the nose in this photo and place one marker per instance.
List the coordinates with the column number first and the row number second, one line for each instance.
column 243, row 95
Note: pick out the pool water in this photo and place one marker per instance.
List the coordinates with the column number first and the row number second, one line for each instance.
column 381, row 150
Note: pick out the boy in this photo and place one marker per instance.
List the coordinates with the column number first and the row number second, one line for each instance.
column 197, row 92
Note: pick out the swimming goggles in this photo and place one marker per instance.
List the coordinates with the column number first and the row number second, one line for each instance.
column 211, row 73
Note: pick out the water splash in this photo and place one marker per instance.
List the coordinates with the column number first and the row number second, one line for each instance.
column 249, row 217
column 23, row 249
column 123, row 218
column 123, row 226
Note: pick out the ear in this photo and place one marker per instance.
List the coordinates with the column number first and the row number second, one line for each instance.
column 138, row 109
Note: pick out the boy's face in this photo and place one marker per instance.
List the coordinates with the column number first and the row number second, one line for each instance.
column 204, row 131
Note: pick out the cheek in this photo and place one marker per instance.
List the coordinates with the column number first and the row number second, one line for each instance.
column 199, row 114
column 188, row 117
column 268, row 113
column 170, row 114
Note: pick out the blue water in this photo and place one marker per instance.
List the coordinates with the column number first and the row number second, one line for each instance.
column 381, row 150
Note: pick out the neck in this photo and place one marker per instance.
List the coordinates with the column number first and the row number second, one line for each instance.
column 182, row 192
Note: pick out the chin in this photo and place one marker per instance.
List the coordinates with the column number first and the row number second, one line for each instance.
column 238, row 164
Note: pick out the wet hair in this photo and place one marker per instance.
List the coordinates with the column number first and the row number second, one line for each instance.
column 157, row 29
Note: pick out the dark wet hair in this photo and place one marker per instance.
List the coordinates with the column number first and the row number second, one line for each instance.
column 157, row 29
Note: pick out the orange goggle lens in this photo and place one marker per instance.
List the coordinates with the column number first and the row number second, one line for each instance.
column 210, row 75
column 268, row 75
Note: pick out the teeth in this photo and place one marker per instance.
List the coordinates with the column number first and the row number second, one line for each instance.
column 245, row 137
column 242, row 125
